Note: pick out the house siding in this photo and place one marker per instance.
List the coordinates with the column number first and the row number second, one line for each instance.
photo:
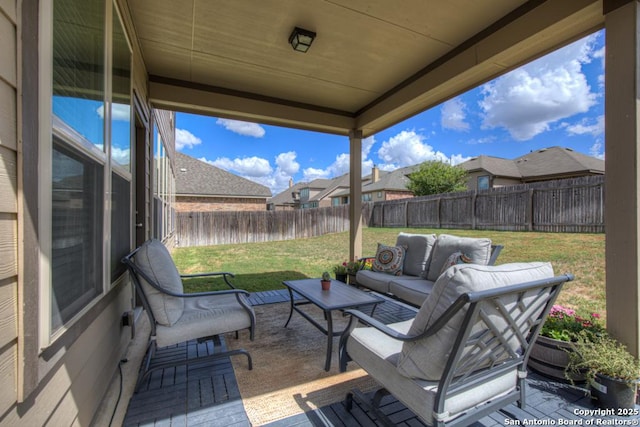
column 63, row 384
column 217, row 204
column 8, row 206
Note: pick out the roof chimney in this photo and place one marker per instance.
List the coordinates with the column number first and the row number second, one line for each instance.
column 290, row 182
column 375, row 174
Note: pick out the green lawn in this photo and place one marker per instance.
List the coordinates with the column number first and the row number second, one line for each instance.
column 263, row 266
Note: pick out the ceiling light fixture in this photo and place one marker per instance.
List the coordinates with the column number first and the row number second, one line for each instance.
column 301, row 39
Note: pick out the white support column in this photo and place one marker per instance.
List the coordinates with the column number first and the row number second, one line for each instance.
column 622, row 185
column 355, row 194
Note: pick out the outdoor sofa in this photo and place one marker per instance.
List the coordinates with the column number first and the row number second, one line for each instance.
column 409, row 269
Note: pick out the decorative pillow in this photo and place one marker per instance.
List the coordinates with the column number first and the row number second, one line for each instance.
column 455, row 259
column 154, row 260
column 389, row 259
column 426, row 358
column 478, row 249
column 418, row 250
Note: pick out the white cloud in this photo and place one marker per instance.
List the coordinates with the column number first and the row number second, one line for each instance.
column 122, row 156
column 405, row 149
column 309, row 174
column 121, row 112
column 242, row 128
column 246, row 166
column 526, row 101
column 453, row 115
column 287, row 163
column 456, row 159
column 597, row 150
column 185, row 139
column 586, row 126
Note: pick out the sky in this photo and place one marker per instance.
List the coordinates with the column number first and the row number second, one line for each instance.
column 557, row 100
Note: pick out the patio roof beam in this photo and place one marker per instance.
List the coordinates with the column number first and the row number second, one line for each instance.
column 187, row 97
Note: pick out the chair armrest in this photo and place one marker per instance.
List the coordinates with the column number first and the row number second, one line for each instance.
column 495, row 251
column 224, row 275
column 370, row 321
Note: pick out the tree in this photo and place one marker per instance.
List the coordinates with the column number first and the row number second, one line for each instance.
column 435, row 177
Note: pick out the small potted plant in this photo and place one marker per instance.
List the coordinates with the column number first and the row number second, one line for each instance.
column 352, row 268
column 612, row 372
column 340, row 270
column 325, row 281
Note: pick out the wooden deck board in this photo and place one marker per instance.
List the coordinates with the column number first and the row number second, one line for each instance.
column 207, row 394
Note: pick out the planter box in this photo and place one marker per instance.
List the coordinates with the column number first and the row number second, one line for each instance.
column 549, row 357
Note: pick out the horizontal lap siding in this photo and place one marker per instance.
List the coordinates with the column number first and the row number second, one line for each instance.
column 8, row 205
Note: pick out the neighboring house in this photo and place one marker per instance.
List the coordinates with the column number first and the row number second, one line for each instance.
column 314, row 194
column 541, row 165
column 380, row 186
column 201, row 187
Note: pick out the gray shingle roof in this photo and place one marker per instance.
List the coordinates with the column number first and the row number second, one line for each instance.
column 195, row 177
column 494, row 165
column 546, row 162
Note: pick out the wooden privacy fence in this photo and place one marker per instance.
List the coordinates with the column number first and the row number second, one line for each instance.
column 569, row 205
column 215, row 228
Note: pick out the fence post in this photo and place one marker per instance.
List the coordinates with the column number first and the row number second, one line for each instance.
column 406, row 213
column 438, row 206
column 473, row 209
column 530, row 210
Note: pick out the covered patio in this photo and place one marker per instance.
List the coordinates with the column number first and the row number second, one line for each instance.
column 374, row 64
column 208, row 394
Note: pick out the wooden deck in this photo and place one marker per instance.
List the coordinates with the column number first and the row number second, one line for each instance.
column 208, row 395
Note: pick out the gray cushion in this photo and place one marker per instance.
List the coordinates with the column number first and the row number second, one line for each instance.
column 478, row 249
column 377, row 354
column 154, row 260
column 414, row 290
column 426, row 358
column 204, row 317
column 419, row 248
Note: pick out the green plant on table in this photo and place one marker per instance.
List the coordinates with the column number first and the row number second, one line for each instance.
column 602, row 354
column 565, row 324
column 326, row 277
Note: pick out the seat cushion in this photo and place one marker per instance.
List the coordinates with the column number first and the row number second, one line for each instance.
column 378, row 354
column 389, row 259
column 154, row 260
column 414, row 290
column 416, row 258
column 204, row 317
column 426, row 358
column 477, row 249
column 377, row 281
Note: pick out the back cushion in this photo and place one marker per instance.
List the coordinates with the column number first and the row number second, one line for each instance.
column 477, row 249
column 426, row 358
column 416, row 258
column 154, row 260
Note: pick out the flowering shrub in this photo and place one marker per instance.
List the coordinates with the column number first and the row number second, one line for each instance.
column 348, row 267
column 566, row 324
column 340, row 268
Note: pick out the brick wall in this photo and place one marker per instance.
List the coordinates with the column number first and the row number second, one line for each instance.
column 396, row 195
column 208, row 204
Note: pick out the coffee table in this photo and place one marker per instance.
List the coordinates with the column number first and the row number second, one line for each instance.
column 339, row 297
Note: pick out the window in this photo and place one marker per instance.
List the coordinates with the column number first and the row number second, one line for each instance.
column 483, row 182
column 366, row 197
column 163, row 185
column 76, row 232
column 89, row 158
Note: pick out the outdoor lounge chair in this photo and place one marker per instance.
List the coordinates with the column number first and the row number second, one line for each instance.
column 465, row 353
column 177, row 317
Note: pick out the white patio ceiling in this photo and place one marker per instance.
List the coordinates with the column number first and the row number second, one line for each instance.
column 374, row 63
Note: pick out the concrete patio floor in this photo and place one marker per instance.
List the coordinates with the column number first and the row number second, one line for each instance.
column 208, row 394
